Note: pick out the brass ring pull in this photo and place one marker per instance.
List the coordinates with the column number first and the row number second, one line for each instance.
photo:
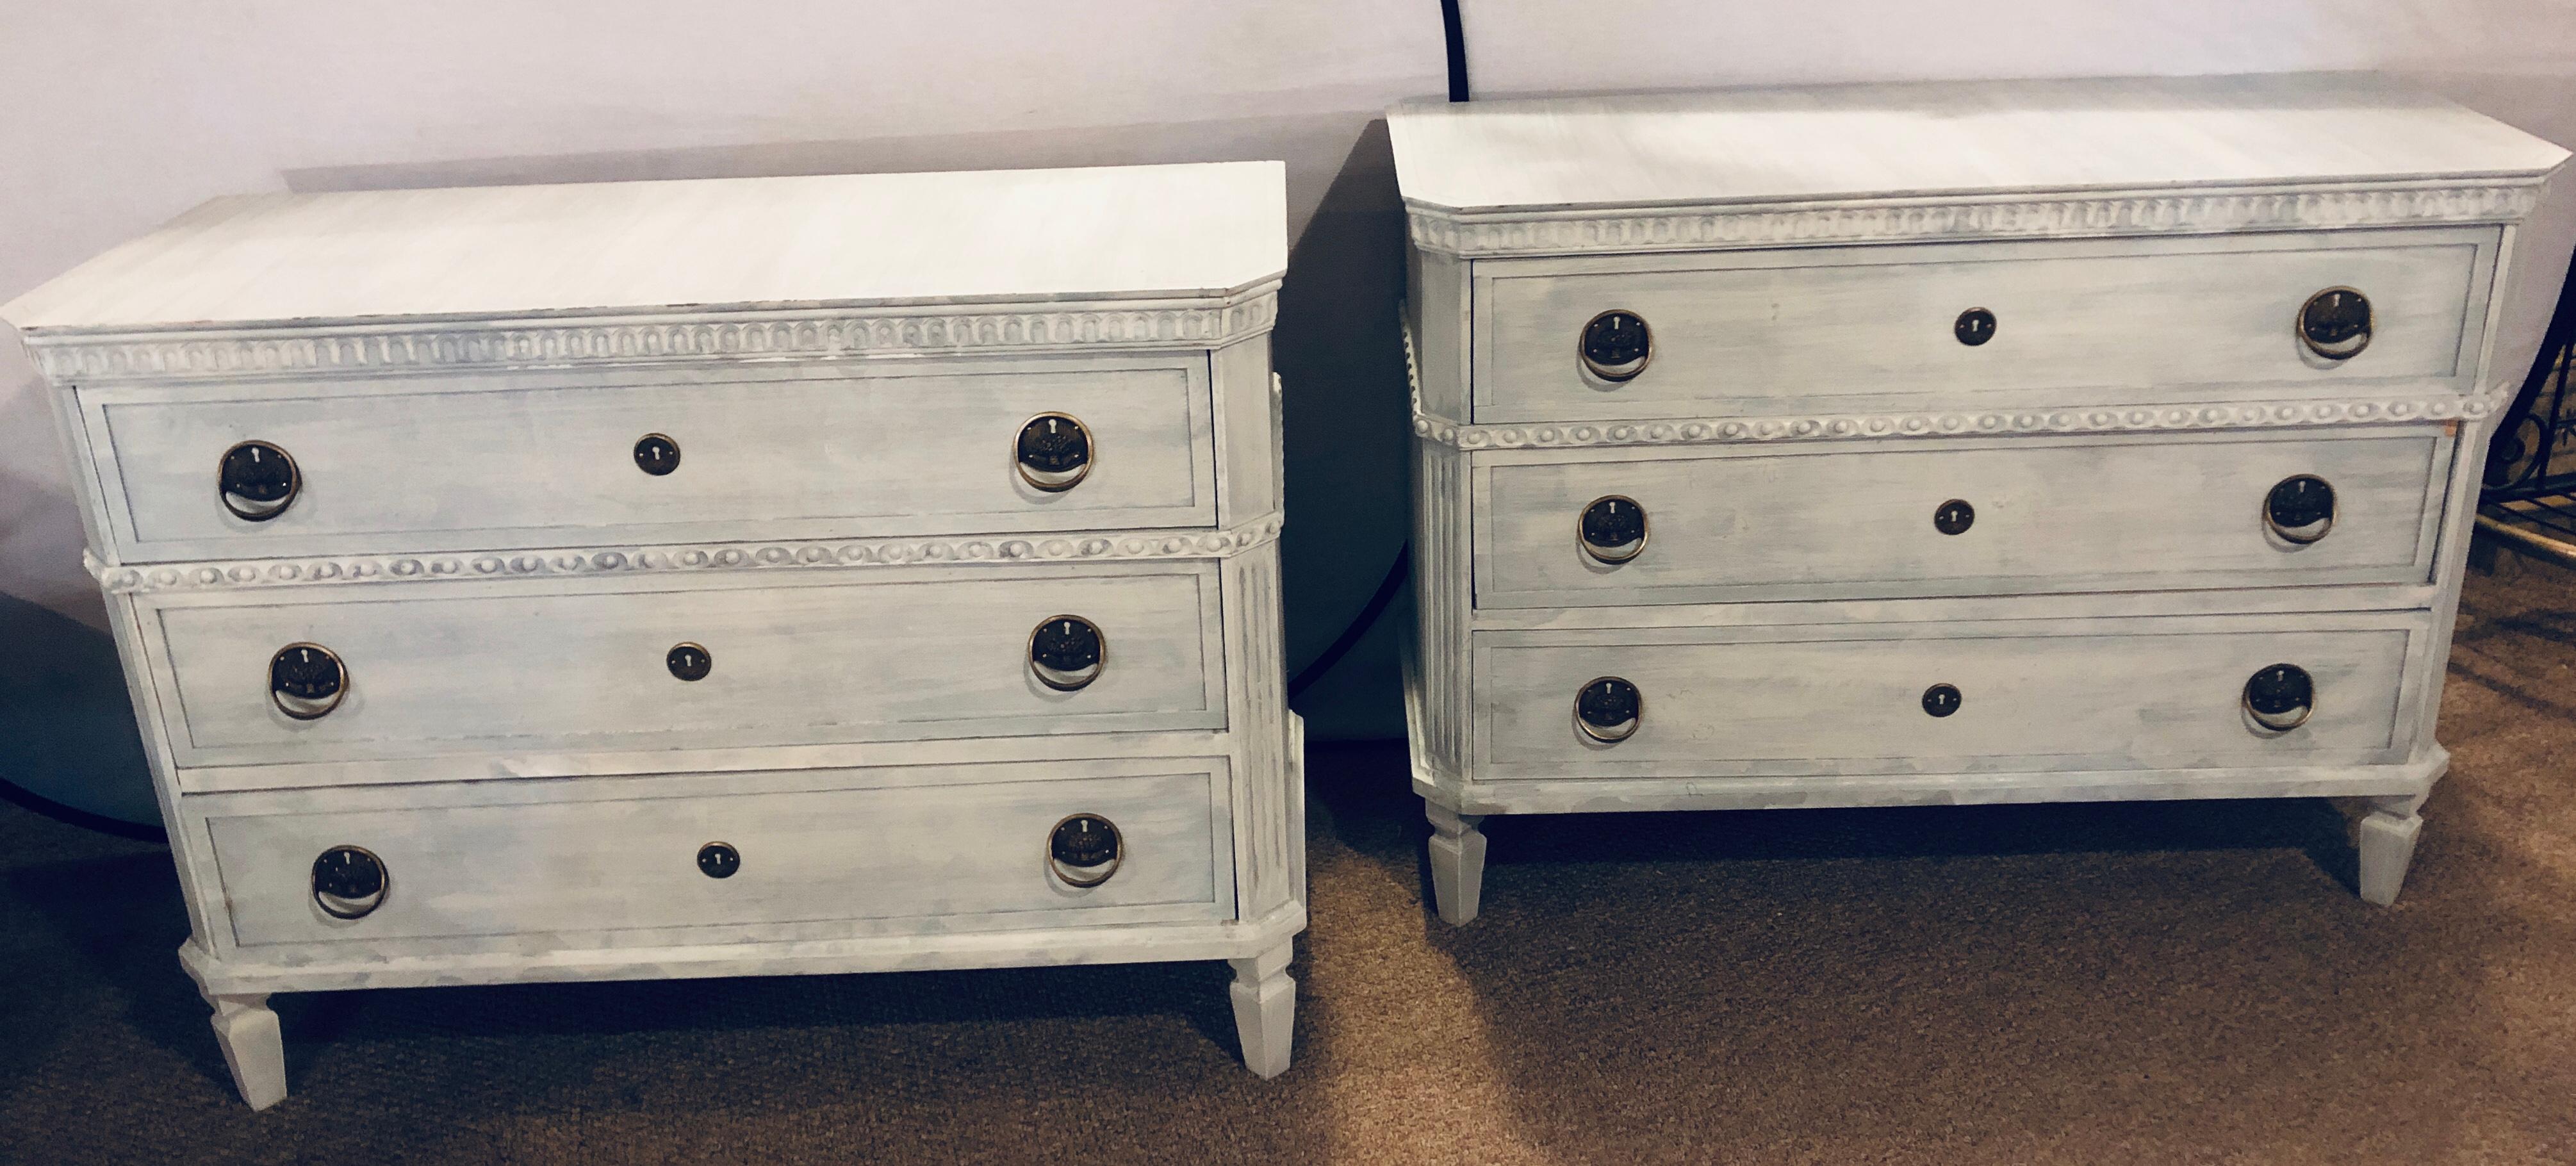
column 307, row 681
column 1609, row 709
column 1067, row 652
column 349, row 882
column 2300, row 508
column 1054, row 452
column 1615, row 346
column 1612, row 529
column 2336, row 323
column 257, row 481
column 2280, row 697
column 1084, row 850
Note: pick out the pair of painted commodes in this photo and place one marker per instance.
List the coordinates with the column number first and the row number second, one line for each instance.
column 869, row 573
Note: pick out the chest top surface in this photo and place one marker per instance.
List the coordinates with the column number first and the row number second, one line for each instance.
column 2110, row 155
column 1183, row 232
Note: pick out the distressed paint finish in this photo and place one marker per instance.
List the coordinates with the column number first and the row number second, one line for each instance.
column 1801, row 258
column 844, row 363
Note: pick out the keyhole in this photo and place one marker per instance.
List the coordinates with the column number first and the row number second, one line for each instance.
column 657, row 454
column 1954, row 516
column 1941, row 700
column 1975, row 327
column 689, row 661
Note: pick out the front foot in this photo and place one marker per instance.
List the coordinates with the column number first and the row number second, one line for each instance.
column 2384, row 831
column 1457, row 862
column 1265, row 1009
column 253, row 1047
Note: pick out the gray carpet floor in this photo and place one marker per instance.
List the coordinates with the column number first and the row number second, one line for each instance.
column 2173, row 982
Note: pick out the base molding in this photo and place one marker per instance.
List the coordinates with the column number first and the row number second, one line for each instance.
column 1054, row 947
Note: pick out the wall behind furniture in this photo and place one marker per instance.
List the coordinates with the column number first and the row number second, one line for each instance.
column 118, row 114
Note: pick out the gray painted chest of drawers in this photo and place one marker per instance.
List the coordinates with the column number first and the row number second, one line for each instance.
column 738, row 577
column 1952, row 443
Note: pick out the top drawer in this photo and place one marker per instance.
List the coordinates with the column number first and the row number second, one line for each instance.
column 1860, row 328
column 495, row 463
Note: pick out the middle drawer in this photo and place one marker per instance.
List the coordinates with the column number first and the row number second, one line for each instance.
column 1996, row 516
column 374, row 671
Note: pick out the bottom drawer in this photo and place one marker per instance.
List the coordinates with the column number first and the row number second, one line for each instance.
column 2144, row 693
column 627, row 861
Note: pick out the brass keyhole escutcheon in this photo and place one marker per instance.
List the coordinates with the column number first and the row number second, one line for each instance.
column 657, row 454
column 1067, row 652
column 1941, row 700
column 349, row 882
column 1975, row 327
column 307, row 681
column 1616, row 345
column 1609, row 709
column 257, row 481
column 1054, row 452
column 719, row 860
column 689, row 661
column 1954, row 517
column 2300, row 509
column 1612, row 529
column 2280, row 697
column 1085, row 849
column 2336, row 323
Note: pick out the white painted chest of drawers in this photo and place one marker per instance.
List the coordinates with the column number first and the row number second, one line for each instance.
column 1952, row 443
column 700, row 578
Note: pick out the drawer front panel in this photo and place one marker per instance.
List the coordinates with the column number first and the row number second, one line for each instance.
column 434, row 670
column 2045, row 515
column 1861, row 328
column 2162, row 692
column 967, row 853
column 428, row 467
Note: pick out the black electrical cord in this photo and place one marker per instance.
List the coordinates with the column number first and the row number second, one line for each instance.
column 1455, row 37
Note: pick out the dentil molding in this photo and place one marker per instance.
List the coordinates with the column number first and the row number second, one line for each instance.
column 1883, row 220
column 390, row 346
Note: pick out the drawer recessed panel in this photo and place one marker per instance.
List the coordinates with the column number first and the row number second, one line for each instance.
column 2031, row 695
column 445, row 668
column 1980, row 517
column 626, row 861
column 442, row 465
column 1831, row 330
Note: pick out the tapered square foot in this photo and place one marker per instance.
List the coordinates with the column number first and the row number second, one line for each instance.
column 1265, row 1010
column 1457, row 862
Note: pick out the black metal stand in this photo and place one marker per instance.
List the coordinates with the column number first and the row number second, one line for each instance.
column 2529, row 501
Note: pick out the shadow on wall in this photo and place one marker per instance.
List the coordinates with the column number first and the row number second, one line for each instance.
column 66, row 724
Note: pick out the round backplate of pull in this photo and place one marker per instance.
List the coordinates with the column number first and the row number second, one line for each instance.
column 306, row 681
column 1067, row 652
column 689, row 661
column 1954, row 517
column 1085, row 849
column 1975, row 327
column 718, row 860
column 257, row 481
column 1609, row 709
column 2280, row 696
column 1054, row 452
column 657, row 454
column 1616, row 345
column 2335, row 323
column 1613, row 529
column 2300, row 509
column 349, row 882
column 1941, row 700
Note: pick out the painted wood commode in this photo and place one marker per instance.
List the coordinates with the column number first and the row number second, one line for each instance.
column 740, row 577
column 1950, row 443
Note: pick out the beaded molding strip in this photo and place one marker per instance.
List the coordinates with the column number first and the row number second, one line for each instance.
column 1094, row 546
